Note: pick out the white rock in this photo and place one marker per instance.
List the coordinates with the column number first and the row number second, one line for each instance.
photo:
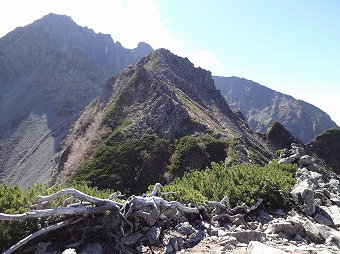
column 306, row 160
column 69, row 251
column 255, row 247
column 334, row 212
column 248, row 235
column 284, row 227
column 315, row 175
column 304, row 195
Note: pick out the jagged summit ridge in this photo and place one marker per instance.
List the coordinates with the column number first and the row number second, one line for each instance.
column 159, row 100
column 174, row 83
column 261, row 105
column 49, row 71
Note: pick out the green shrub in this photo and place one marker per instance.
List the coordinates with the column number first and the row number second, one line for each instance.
column 129, row 166
column 196, row 153
column 243, row 183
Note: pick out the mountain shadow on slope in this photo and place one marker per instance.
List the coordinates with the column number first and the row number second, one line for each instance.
column 49, row 71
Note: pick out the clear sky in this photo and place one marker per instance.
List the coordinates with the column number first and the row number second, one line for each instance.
column 291, row 46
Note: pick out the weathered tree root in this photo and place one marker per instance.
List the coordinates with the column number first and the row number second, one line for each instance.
column 129, row 216
column 42, row 231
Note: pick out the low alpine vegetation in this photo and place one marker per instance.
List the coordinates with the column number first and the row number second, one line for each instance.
column 243, row 183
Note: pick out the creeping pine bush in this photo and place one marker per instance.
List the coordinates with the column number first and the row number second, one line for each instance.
column 243, row 183
column 14, row 200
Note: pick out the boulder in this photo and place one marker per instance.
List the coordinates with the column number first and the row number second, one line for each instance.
column 185, row 228
column 194, row 239
column 255, row 247
column 176, row 243
column 313, row 167
column 248, row 236
column 323, row 220
column 303, row 195
column 284, row 227
column 291, row 159
column 228, row 240
column 306, row 160
column 315, row 176
column 152, row 236
column 331, row 236
column 334, row 213
column 69, row 251
column 312, row 231
column 264, row 216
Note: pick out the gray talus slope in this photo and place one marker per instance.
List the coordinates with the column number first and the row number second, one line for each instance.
column 50, row 70
column 261, row 105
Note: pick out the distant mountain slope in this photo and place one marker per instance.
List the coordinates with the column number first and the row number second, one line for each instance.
column 49, row 71
column 261, row 105
column 164, row 117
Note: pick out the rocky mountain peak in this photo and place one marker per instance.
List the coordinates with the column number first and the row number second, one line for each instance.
column 279, row 137
column 162, row 102
column 49, row 71
column 261, row 105
column 163, row 85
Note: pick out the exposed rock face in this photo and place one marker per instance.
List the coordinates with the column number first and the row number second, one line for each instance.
column 49, row 71
column 278, row 137
column 166, row 96
column 327, row 147
column 261, row 105
column 316, row 191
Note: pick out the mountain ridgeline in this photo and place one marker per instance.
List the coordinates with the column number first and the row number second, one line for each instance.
column 75, row 106
column 164, row 117
column 49, row 71
column 261, row 105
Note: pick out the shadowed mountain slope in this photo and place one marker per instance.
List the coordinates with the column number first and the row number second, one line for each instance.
column 49, row 71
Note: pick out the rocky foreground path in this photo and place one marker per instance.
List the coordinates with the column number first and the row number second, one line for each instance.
column 150, row 224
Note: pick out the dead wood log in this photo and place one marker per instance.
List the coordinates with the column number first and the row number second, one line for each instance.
column 131, row 214
column 76, row 194
column 42, row 231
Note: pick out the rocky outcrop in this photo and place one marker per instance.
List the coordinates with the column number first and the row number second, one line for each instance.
column 326, row 146
column 49, row 71
column 151, row 224
column 261, row 105
column 317, row 193
column 278, row 137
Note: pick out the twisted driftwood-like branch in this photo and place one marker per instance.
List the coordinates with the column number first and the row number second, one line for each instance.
column 222, row 210
column 42, row 231
column 131, row 215
column 76, row 194
column 144, row 207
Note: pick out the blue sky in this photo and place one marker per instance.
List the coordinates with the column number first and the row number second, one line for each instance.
column 290, row 46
